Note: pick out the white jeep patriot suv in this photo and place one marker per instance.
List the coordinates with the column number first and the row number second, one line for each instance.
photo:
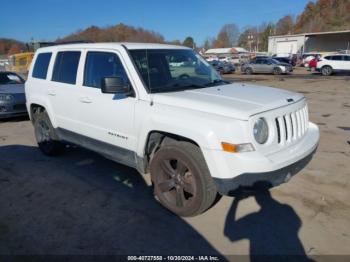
column 164, row 110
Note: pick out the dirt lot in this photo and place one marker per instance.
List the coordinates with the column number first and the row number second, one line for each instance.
column 81, row 203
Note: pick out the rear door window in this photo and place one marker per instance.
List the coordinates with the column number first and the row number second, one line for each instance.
column 41, row 65
column 102, row 64
column 66, row 67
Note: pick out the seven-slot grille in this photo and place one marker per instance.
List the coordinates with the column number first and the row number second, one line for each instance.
column 292, row 126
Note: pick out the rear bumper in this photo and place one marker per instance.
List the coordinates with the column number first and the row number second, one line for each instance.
column 272, row 178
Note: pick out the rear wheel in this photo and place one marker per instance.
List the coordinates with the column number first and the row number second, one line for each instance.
column 182, row 182
column 45, row 135
column 248, row 71
column 326, row 70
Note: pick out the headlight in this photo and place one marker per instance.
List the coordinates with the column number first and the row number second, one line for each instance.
column 261, row 131
column 5, row 97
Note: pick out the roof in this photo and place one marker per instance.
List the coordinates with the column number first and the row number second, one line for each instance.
column 112, row 45
column 316, row 33
column 226, row 50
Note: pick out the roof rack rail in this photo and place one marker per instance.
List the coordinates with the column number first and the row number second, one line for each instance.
column 73, row 42
column 37, row 45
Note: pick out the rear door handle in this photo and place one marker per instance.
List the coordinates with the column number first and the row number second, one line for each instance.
column 85, row 100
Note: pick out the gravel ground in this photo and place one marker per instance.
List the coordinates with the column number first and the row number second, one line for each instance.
column 81, row 203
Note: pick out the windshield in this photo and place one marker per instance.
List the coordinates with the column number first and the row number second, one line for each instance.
column 274, row 61
column 10, row 78
column 167, row 70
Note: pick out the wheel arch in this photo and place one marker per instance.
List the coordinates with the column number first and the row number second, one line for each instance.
column 155, row 139
column 326, row 66
column 35, row 105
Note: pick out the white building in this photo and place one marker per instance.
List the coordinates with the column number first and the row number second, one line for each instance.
column 226, row 51
column 309, row 43
column 235, row 55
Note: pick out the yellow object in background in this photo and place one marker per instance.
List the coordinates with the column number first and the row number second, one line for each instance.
column 20, row 63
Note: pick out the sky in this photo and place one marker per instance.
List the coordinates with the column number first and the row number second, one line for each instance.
column 46, row 20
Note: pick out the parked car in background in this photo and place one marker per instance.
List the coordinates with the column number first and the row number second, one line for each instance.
column 234, row 60
column 12, row 98
column 333, row 64
column 266, row 66
column 221, row 67
column 231, row 67
column 286, row 60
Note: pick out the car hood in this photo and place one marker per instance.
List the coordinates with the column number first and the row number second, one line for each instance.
column 284, row 64
column 12, row 89
column 239, row 101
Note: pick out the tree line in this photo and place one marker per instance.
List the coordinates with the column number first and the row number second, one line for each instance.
column 319, row 16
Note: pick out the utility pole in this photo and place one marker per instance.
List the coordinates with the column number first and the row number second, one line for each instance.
column 250, row 41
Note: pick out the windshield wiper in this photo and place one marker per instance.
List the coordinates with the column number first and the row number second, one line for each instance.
column 217, row 81
column 176, row 88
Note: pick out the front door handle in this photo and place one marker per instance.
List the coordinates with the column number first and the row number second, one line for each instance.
column 85, row 100
column 51, row 93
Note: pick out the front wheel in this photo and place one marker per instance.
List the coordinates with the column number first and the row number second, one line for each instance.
column 277, row 71
column 181, row 179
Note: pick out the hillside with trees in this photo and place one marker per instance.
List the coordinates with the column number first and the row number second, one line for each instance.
column 117, row 33
column 319, row 16
column 324, row 15
column 11, row 46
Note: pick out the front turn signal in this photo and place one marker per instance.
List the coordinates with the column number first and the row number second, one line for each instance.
column 239, row 148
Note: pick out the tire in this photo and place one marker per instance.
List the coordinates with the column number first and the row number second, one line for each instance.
column 277, row 71
column 248, row 71
column 326, row 70
column 46, row 136
column 181, row 179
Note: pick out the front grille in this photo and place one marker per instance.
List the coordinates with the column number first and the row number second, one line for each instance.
column 292, row 126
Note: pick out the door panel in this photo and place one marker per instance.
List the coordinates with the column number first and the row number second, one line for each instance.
column 62, row 91
column 106, row 117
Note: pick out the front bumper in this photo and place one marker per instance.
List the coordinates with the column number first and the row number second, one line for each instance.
column 8, row 110
column 244, row 169
column 286, row 69
column 273, row 178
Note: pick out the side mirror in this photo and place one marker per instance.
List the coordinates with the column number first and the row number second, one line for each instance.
column 115, row 85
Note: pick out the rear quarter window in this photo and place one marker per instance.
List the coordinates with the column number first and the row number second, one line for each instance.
column 66, row 67
column 41, row 65
column 337, row 58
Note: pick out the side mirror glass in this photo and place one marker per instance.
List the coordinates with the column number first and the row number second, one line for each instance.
column 115, row 85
